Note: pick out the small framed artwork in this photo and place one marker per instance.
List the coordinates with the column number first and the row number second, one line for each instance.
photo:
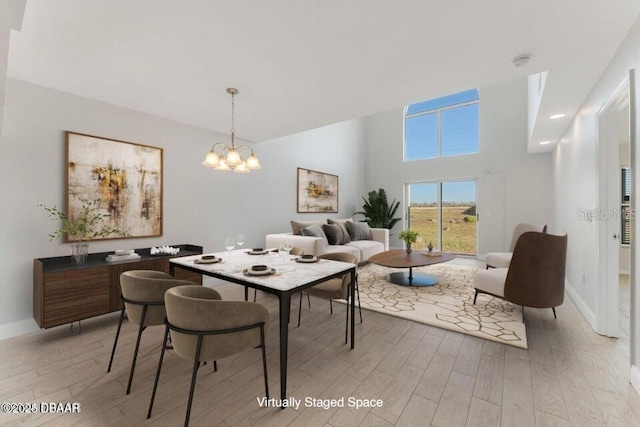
column 125, row 178
column 317, row 192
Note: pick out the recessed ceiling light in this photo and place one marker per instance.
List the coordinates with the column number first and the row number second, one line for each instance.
column 545, row 142
column 557, row 116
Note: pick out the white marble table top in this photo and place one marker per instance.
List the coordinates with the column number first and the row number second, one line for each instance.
column 289, row 273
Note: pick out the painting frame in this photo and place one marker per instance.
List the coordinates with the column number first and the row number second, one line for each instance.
column 125, row 177
column 317, row 192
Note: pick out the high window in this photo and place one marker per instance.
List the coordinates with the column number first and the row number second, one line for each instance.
column 442, row 127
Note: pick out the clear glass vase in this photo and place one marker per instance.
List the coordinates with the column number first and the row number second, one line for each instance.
column 408, row 249
column 79, row 252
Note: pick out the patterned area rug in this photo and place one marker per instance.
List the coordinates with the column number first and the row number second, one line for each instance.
column 449, row 304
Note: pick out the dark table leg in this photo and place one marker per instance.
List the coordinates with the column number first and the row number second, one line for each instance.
column 246, row 293
column 353, row 308
column 285, row 307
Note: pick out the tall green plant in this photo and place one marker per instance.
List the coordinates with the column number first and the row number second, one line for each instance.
column 377, row 212
column 87, row 225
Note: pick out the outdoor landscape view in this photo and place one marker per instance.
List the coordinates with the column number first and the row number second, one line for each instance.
column 456, row 219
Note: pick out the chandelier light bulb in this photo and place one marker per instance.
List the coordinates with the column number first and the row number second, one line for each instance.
column 253, row 163
column 211, row 160
column 233, row 157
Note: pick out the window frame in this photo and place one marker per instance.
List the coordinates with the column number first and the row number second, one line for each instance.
column 437, row 111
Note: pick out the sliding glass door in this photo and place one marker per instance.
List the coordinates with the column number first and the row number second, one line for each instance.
column 444, row 213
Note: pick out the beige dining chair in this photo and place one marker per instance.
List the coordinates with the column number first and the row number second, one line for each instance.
column 142, row 294
column 205, row 328
column 336, row 288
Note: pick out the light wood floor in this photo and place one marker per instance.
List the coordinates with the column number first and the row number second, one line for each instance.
column 425, row 375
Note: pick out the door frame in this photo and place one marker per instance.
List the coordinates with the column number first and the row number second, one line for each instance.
column 607, row 214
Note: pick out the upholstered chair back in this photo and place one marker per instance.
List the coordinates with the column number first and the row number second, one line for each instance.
column 537, row 271
column 523, row 228
column 346, row 278
column 198, row 308
column 147, row 286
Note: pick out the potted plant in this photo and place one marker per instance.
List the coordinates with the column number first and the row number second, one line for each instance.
column 377, row 211
column 87, row 225
column 409, row 237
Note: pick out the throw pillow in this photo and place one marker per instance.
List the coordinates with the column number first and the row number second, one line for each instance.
column 336, row 235
column 314, row 231
column 297, row 226
column 342, row 222
column 359, row 231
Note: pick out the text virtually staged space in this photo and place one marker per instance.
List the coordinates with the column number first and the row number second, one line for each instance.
column 317, row 213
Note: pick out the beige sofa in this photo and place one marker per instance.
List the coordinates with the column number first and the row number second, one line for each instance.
column 361, row 249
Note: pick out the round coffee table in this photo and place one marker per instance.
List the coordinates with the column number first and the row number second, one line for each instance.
column 398, row 258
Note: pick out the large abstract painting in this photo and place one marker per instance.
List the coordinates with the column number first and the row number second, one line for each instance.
column 317, row 191
column 125, row 178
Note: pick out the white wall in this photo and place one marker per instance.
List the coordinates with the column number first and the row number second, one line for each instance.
column 201, row 206
column 513, row 186
column 575, row 177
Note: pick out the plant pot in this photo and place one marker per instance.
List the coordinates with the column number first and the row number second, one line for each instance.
column 79, row 252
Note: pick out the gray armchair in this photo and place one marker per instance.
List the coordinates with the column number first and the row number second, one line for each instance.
column 502, row 259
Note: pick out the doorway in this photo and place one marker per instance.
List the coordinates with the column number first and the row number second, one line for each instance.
column 613, row 217
column 444, row 214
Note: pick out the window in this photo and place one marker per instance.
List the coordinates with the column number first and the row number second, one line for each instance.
column 625, row 226
column 442, row 127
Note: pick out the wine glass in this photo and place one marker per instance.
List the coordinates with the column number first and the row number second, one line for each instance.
column 240, row 240
column 287, row 248
column 229, row 243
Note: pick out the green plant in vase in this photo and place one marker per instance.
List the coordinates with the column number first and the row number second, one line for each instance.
column 377, row 211
column 87, row 225
column 408, row 237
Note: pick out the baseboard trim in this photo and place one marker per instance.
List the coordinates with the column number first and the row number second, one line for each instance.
column 21, row 327
column 589, row 316
column 635, row 378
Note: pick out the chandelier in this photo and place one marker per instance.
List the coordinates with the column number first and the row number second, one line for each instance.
column 228, row 158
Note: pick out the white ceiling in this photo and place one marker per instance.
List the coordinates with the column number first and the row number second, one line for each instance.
column 302, row 64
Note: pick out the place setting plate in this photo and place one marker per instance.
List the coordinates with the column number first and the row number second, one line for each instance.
column 307, row 259
column 258, row 251
column 259, row 270
column 208, row 259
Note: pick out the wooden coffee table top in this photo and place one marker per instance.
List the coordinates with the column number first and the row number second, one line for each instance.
column 398, row 258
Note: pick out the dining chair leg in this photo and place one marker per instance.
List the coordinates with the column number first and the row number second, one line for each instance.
column 135, row 352
column 215, row 366
column 554, row 312
column 359, row 306
column 155, row 383
column 346, row 326
column 264, row 361
column 523, row 314
column 196, row 366
column 300, row 310
column 475, row 297
column 331, row 306
column 115, row 342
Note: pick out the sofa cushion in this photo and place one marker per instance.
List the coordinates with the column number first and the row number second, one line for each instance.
column 367, row 248
column 314, row 231
column 297, row 226
column 336, row 234
column 359, row 230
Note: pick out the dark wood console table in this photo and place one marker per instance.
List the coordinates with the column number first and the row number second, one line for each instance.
column 64, row 292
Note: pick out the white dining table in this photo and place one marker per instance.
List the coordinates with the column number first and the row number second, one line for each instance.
column 289, row 278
